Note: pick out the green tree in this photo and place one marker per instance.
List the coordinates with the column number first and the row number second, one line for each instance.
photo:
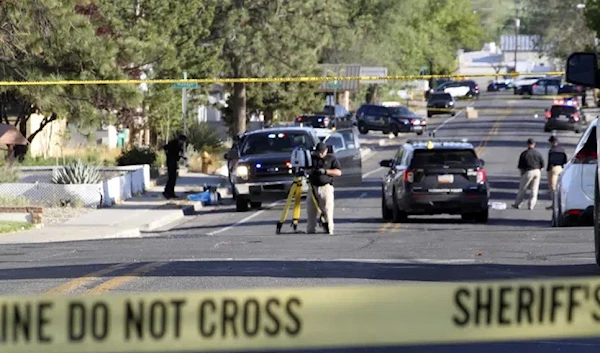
column 265, row 38
column 561, row 25
column 161, row 39
column 54, row 40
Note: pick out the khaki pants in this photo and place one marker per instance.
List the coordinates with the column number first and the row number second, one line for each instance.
column 529, row 180
column 553, row 179
column 324, row 196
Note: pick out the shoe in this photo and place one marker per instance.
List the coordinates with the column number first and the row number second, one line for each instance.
column 549, row 207
column 514, row 206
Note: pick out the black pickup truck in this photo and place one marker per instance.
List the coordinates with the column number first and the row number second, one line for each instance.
column 260, row 168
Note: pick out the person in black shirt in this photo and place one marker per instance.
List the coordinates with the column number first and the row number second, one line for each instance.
column 530, row 165
column 557, row 158
column 174, row 152
column 325, row 168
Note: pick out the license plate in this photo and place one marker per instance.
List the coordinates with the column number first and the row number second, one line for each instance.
column 445, row 179
column 418, row 128
column 562, row 117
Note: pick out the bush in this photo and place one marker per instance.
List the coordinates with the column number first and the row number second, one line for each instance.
column 8, row 175
column 137, row 155
column 76, row 173
column 202, row 136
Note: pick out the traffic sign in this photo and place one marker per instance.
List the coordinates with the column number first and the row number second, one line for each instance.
column 334, row 84
column 185, row 85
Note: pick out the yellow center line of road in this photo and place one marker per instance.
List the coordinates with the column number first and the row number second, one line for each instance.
column 81, row 281
column 384, row 227
column 119, row 281
column 493, row 131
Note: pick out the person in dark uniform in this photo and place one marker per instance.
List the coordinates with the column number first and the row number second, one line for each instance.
column 325, row 168
column 530, row 165
column 174, row 152
column 557, row 158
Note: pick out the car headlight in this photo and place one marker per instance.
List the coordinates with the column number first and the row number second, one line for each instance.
column 451, row 103
column 241, row 171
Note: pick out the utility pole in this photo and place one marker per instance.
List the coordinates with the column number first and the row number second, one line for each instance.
column 184, row 113
column 517, row 25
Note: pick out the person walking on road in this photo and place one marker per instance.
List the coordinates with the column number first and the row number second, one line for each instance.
column 174, row 152
column 326, row 167
column 530, row 165
column 557, row 158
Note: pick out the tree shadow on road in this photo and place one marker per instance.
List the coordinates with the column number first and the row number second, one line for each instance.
column 402, row 270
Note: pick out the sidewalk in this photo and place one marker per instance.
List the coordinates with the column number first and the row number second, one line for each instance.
column 147, row 212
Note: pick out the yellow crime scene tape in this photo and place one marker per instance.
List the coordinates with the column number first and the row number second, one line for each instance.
column 303, row 318
column 266, row 79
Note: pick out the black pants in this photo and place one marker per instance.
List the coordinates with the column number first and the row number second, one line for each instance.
column 172, row 179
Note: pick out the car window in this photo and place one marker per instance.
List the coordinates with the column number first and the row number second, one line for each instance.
column 348, row 137
column 275, row 142
column 381, row 111
column 401, row 111
column 557, row 110
column 336, row 141
column 424, row 158
column 398, row 157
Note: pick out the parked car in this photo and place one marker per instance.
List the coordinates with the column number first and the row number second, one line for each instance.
column 374, row 117
column 435, row 176
column 441, row 103
column 574, row 193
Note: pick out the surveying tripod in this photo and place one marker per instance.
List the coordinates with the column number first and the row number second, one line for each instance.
column 295, row 195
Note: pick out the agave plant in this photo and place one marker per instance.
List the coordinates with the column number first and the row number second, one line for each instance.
column 76, row 173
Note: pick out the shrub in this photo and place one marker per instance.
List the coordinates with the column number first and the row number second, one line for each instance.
column 76, row 173
column 202, row 136
column 8, row 175
column 137, row 155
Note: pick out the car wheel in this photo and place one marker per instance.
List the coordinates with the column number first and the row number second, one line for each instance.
column 482, row 216
column 395, row 130
column 363, row 129
column 596, row 220
column 397, row 214
column 546, row 129
column 256, row 204
column 419, row 133
column 386, row 213
column 577, row 131
column 453, row 114
column 241, row 204
column 429, row 115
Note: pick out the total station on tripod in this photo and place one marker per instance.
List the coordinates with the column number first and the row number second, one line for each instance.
column 302, row 160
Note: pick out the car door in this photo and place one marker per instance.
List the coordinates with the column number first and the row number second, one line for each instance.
column 539, row 88
column 350, row 137
column 552, row 87
column 336, row 140
column 588, row 163
column 389, row 179
column 371, row 117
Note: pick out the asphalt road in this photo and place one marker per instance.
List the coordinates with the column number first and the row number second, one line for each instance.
column 221, row 249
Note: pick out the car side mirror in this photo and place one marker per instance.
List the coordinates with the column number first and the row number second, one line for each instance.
column 482, row 162
column 386, row 163
column 582, row 69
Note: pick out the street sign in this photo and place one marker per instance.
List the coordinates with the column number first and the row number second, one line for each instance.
column 373, row 71
column 185, row 85
column 334, row 84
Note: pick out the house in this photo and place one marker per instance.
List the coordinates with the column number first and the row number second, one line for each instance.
column 530, row 53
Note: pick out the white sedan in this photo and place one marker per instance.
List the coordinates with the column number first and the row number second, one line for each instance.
column 575, row 188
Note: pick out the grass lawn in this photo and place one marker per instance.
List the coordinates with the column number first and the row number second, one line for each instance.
column 10, row 227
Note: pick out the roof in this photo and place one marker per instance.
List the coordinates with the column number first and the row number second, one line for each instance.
column 523, row 43
column 439, row 143
column 281, row 128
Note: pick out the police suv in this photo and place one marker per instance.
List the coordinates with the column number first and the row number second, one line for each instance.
column 435, row 176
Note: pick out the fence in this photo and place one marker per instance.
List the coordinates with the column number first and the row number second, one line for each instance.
column 119, row 184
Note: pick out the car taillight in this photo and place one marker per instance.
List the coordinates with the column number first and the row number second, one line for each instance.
column 409, row 176
column 326, row 121
column 548, row 115
column 481, row 176
column 534, row 85
column 576, row 116
column 476, row 86
column 412, row 121
column 299, row 119
column 584, row 155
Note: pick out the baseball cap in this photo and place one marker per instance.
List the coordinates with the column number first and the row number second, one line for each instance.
column 321, row 147
column 530, row 141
